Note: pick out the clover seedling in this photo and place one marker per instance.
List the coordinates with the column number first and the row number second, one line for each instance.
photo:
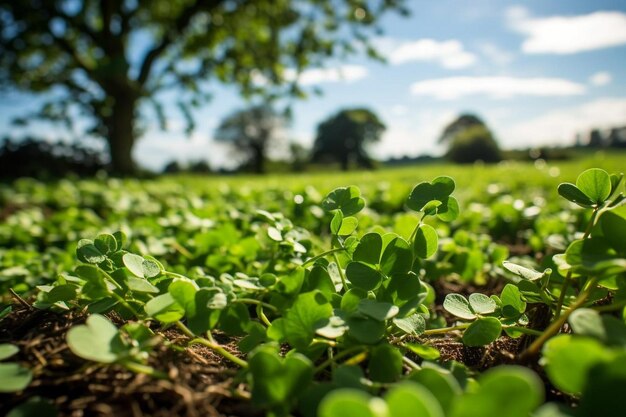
column 14, row 377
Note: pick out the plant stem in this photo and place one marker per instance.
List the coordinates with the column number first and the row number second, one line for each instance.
column 559, row 304
column 144, row 369
column 219, row 350
column 341, row 273
column 255, row 302
column 524, row 330
column 556, row 325
column 411, row 364
column 321, row 255
column 446, row 329
column 336, row 357
column 262, row 316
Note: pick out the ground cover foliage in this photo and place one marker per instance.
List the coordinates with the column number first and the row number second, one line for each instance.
column 439, row 291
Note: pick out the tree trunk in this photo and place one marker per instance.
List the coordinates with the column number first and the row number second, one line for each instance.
column 259, row 160
column 121, row 135
column 344, row 160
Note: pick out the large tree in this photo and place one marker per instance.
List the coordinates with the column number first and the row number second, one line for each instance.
column 461, row 123
column 250, row 132
column 344, row 136
column 107, row 59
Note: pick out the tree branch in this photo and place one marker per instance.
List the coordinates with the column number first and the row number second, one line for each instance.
column 180, row 24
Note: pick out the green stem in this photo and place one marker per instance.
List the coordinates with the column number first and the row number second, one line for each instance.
column 144, row 369
column 446, row 329
column 524, row 330
column 174, row 275
column 341, row 273
column 219, row 350
column 556, row 325
column 255, row 302
column 559, row 304
column 321, row 255
column 338, row 356
column 415, row 229
column 262, row 316
column 411, row 364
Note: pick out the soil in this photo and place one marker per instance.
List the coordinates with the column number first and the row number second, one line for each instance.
column 200, row 382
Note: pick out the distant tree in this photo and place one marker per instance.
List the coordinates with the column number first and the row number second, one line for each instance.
column 250, row 132
column 475, row 143
column 200, row 167
column 464, row 121
column 617, row 137
column 84, row 53
column 595, row 139
column 344, row 137
column 299, row 156
column 172, row 167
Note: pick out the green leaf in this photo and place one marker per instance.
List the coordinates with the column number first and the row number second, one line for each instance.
column 369, row 248
column 596, row 184
column 274, row 234
column 277, row 381
column 7, row 350
column 449, row 211
column 363, row 276
column 481, row 304
column 366, row 330
column 409, row 399
column 348, row 226
column 414, row 324
column 441, row 383
column 377, row 310
column 587, row 322
column 87, row 252
column 424, row 351
column 351, row 299
column 459, row 306
column 305, row 316
column 346, row 199
column 614, row 229
column 397, row 257
column 482, row 332
column 34, row 407
column 603, row 395
column 333, row 327
column 141, row 285
column 523, row 272
column 567, row 360
column 94, row 340
column 335, row 223
column 105, row 243
column 349, row 402
column 572, row 193
column 14, row 377
column 423, row 193
column 385, row 363
column 134, row 263
column 426, row 240
column 505, row 391
column 512, row 303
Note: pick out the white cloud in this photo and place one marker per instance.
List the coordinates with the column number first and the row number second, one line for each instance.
column 413, row 136
column 449, row 54
column 495, row 54
column 561, row 126
column 601, row 78
column 496, row 87
column 345, row 73
column 568, row 34
column 314, row 76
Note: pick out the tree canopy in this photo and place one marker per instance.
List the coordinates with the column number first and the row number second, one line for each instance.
column 110, row 61
column 474, row 143
column 344, row 136
column 464, row 121
column 251, row 132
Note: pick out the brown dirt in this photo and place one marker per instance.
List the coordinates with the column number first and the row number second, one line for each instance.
column 200, row 382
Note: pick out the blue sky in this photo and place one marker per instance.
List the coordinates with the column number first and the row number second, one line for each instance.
column 537, row 72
